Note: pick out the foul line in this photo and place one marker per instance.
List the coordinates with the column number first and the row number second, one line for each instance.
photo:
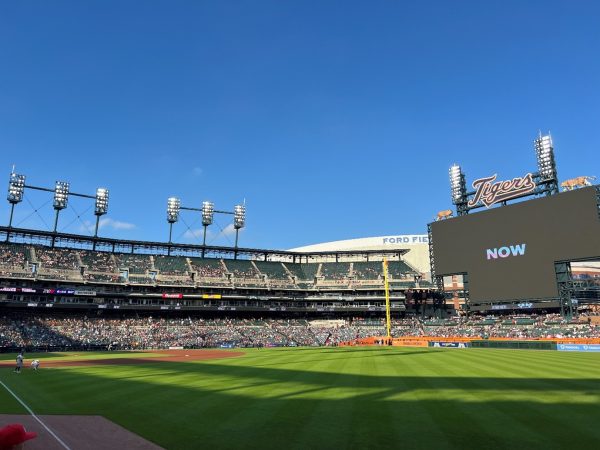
column 60, row 441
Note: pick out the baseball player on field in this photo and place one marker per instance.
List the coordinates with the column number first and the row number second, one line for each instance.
column 19, row 362
column 35, row 364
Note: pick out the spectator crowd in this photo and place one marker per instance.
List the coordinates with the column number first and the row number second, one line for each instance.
column 38, row 331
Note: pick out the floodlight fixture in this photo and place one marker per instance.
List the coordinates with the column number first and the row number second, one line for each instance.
column 61, row 195
column 16, row 188
column 208, row 211
column 457, row 184
column 101, row 201
column 239, row 216
column 173, row 207
column 544, row 151
column 239, row 221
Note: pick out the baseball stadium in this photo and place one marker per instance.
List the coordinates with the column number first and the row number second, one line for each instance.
column 482, row 333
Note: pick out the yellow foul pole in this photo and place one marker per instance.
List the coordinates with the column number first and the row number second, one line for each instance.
column 388, row 324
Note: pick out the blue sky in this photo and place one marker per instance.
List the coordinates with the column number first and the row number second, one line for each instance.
column 333, row 119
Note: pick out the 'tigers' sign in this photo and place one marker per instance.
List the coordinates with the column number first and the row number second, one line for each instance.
column 488, row 192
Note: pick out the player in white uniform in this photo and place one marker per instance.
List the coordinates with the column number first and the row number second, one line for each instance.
column 19, row 362
column 35, row 364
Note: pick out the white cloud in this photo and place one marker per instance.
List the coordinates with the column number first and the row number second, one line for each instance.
column 193, row 234
column 88, row 226
column 229, row 230
column 197, row 171
column 115, row 224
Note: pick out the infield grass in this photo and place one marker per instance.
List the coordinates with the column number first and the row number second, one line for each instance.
column 335, row 398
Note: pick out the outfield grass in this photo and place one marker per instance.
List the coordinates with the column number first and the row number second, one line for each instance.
column 336, row 398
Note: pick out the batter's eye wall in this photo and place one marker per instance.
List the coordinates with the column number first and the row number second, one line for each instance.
column 509, row 252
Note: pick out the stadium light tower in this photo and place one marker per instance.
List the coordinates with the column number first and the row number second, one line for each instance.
column 173, row 207
column 101, row 209
column 16, row 189
column 544, row 152
column 101, row 206
column 208, row 212
column 239, row 220
column 458, row 189
column 61, row 199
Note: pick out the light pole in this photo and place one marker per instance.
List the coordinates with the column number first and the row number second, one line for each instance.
column 544, row 152
column 16, row 188
column 61, row 198
column 239, row 221
column 458, row 189
column 173, row 207
column 101, row 209
column 208, row 211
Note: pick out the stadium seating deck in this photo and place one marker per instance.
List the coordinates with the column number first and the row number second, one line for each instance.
column 274, row 270
column 12, row 255
column 99, row 261
column 335, row 271
column 241, row 268
column 399, row 269
column 171, row 265
column 137, row 264
column 367, row 270
column 208, row 267
column 303, row 271
column 54, row 258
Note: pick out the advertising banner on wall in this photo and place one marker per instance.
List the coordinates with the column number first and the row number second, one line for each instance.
column 578, row 347
column 449, row 344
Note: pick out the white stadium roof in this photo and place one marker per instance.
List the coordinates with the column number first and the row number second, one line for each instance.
column 417, row 244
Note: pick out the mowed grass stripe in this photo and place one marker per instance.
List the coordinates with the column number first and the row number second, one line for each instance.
column 342, row 398
column 488, row 417
column 447, row 416
column 556, row 363
column 8, row 404
column 412, row 414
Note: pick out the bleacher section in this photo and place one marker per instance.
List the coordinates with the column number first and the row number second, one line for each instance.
column 171, row 265
column 207, row 268
column 241, row 268
column 335, row 271
column 303, row 271
column 12, row 255
column 99, row 261
column 367, row 270
column 13, row 261
column 399, row 269
column 273, row 270
column 28, row 261
column 244, row 273
column 137, row 264
column 54, row 258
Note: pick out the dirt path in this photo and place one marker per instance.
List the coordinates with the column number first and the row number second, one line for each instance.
column 79, row 432
column 136, row 358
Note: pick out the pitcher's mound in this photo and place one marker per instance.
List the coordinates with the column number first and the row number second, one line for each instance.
column 79, row 432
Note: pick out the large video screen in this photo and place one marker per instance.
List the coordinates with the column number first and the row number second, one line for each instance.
column 509, row 252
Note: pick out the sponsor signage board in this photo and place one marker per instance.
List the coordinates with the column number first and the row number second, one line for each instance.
column 449, row 344
column 85, row 292
column 578, row 347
